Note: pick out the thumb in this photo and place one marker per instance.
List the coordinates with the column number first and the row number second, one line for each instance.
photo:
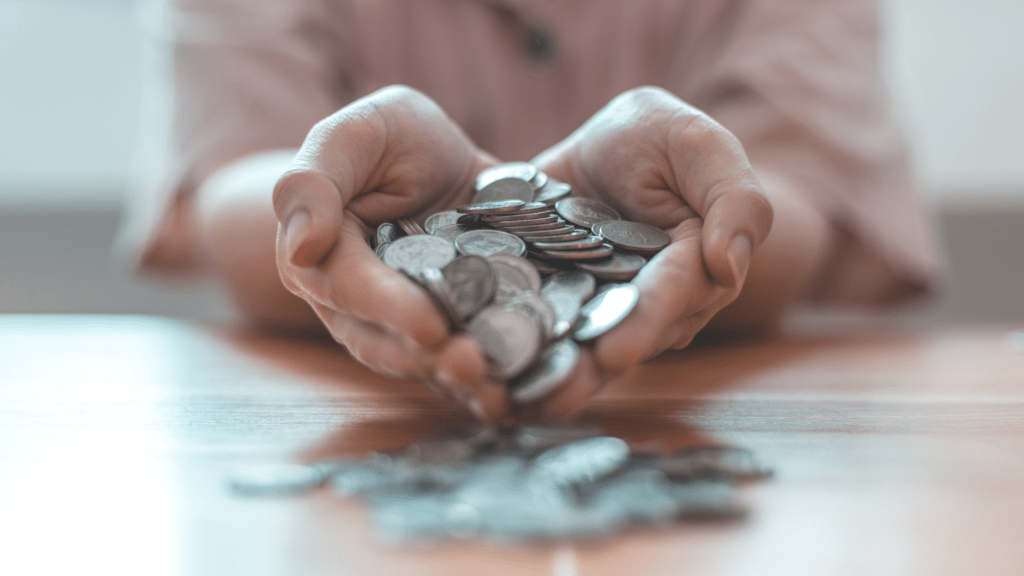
column 309, row 207
column 735, row 224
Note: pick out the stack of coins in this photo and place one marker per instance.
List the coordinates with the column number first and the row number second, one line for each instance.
column 533, row 483
column 527, row 269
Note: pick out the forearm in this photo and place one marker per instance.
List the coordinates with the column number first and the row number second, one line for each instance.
column 783, row 267
column 237, row 234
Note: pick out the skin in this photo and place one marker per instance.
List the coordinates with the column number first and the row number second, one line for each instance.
column 395, row 153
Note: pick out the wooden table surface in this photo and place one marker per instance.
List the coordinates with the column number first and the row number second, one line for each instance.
column 894, row 454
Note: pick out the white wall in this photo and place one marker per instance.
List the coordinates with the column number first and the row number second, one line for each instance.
column 71, row 75
column 957, row 70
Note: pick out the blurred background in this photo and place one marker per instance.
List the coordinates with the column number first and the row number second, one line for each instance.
column 73, row 76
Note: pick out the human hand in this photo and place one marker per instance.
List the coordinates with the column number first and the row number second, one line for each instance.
column 658, row 160
column 389, row 155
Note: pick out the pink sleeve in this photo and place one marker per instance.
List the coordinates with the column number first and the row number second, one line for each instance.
column 248, row 77
column 799, row 83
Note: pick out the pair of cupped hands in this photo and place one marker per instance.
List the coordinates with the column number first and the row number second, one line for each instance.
column 395, row 154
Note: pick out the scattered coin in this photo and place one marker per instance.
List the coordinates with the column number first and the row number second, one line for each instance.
column 414, row 253
column 605, row 310
column 582, row 461
column 276, row 479
column 585, row 212
column 529, row 484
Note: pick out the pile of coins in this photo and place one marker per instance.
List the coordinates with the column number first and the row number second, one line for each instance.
column 531, row 484
column 527, row 269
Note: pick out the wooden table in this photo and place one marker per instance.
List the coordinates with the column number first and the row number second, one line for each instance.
column 894, row 454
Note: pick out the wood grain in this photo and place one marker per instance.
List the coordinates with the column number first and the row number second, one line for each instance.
column 894, row 454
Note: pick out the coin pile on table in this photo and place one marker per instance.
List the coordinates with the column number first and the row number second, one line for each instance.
column 527, row 269
column 533, row 483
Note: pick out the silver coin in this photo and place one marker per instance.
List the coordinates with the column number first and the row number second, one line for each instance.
column 602, row 251
column 541, row 218
column 550, row 266
column 553, row 369
column 718, row 463
column 528, row 210
column 580, row 284
column 555, row 224
column 706, row 500
column 582, row 461
column 567, row 311
column 487, row 242
column 473, row 283
column 540, row 180
column 410, row 226
column 540, row 309
column 276, row 479
column 522, row 170
column 552, row 192
column 497, row 207
column 635, row 236
column 437, row 287
column 561, row 230
column 639, row 495
column 505, row 189
column 414, row 253
column 585, row 212
column 453, row 231
column 385, row 233
column 581, row 244
column 513, row 281
column 527, row 270
column 381, row 249
column 605, row 310
column 509, row 337
column 440, row 220
column 541, row 437
column 573, row 234
column 620, row 266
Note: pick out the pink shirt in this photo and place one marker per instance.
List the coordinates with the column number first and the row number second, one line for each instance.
column 797, row 81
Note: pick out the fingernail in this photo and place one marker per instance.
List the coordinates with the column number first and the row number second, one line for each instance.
column 739, row 257
column 296, row 234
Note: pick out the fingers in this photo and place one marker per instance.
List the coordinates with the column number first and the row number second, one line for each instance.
column 354, row 280
column 587, row 379
column 383, row 352
column 711, row 172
